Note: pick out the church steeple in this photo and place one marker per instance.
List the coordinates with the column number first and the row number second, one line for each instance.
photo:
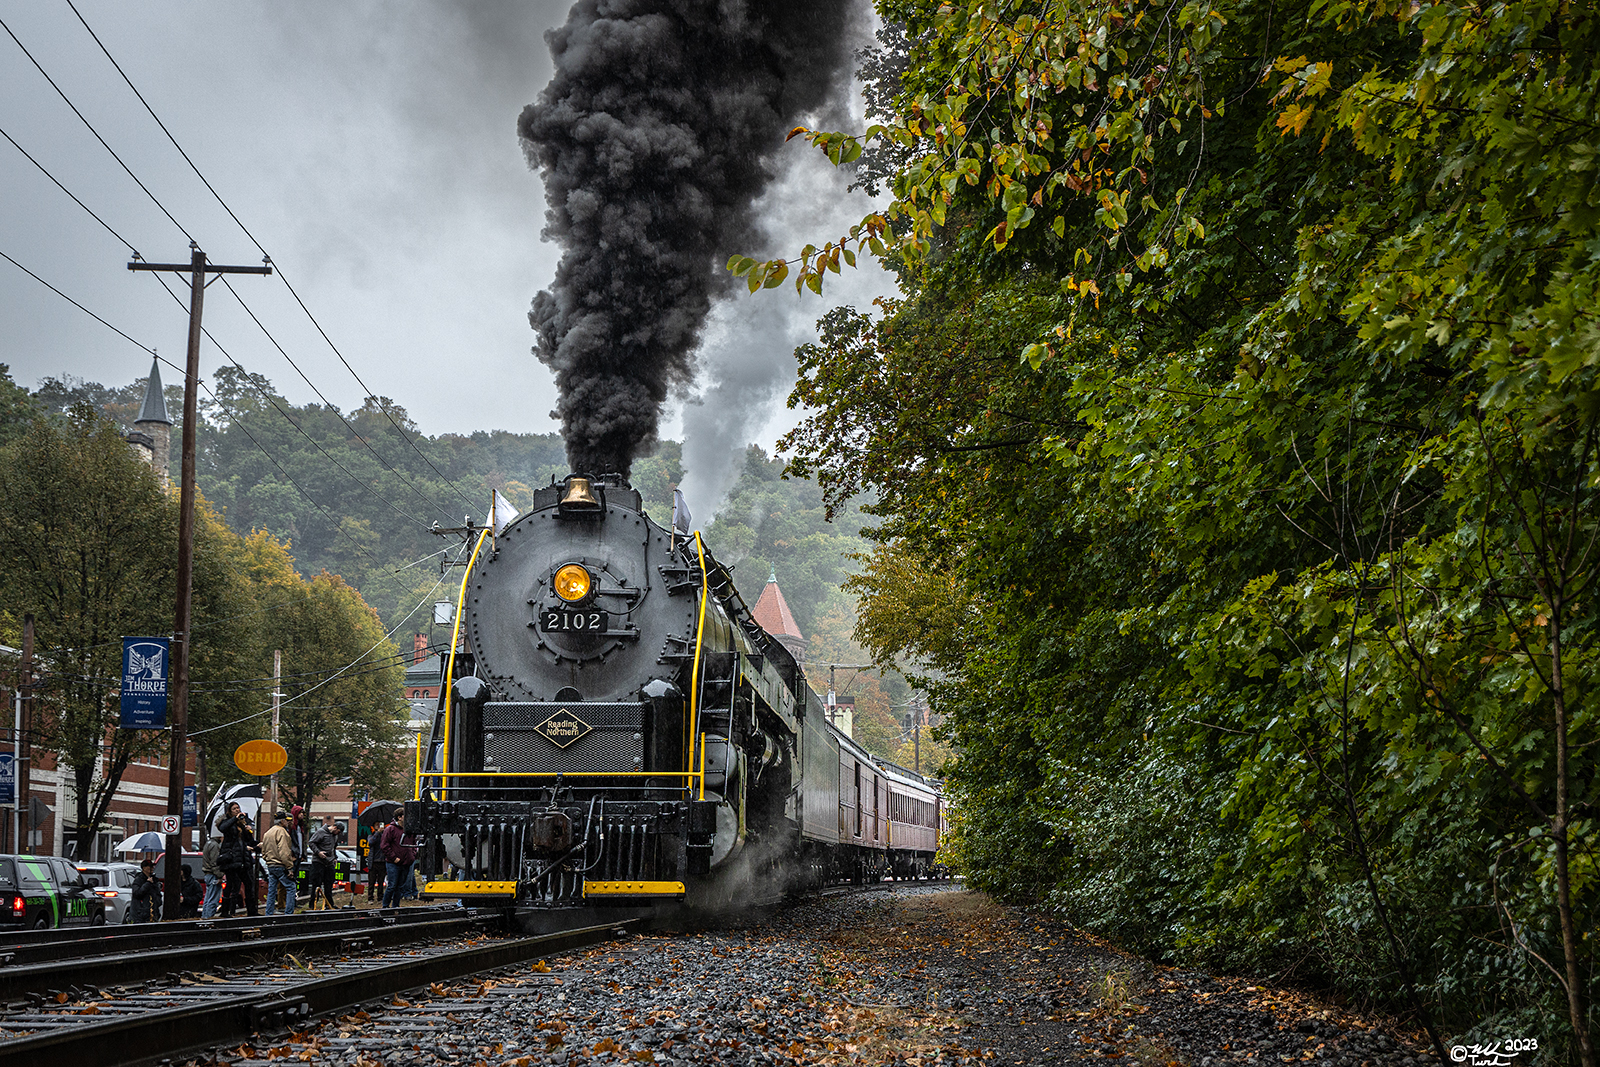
column 152, row 431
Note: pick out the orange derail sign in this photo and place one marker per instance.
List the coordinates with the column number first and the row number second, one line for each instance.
column 261, row 758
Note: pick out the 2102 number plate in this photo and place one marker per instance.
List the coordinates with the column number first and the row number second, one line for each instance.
column 565, row 621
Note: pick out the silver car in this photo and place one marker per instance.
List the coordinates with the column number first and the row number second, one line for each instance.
column 113, row 884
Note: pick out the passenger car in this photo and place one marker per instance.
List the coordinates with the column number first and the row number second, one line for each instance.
column 113, row 883
column 40, row 892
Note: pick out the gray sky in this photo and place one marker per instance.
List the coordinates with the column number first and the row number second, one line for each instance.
column 371, row 148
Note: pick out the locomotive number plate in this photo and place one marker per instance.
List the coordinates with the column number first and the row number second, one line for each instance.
column 561, row 621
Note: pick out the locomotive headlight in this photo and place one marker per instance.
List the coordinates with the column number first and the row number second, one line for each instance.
column 573, row 582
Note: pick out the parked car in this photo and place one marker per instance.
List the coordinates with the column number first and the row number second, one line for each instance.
column 113, row 883
column 40, row 892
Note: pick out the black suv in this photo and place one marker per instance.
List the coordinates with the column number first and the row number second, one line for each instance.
column 39, row 892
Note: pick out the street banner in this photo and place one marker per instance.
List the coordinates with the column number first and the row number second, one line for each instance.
column 144, row 683
column 191, row 805
column 8, row 780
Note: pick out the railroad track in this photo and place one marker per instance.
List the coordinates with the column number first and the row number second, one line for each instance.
column 106, row 1028
column 64, row 960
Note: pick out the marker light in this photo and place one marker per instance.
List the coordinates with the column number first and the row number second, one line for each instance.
column 573, row 583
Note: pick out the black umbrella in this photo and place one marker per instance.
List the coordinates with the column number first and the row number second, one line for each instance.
column 381, row 811
column 248, row 796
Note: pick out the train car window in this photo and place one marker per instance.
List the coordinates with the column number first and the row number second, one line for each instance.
column 858, row 800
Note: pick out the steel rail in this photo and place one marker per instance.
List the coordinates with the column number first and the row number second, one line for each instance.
column 128, row 967
column 43, row 946
column 169, row 1032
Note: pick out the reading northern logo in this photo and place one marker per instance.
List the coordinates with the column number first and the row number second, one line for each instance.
column 563, row 728
column 147, row 669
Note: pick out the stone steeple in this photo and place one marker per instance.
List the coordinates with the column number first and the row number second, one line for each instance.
column 772, row 613
column 152, row 430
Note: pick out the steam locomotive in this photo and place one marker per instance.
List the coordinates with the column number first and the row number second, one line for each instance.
column 616, row 730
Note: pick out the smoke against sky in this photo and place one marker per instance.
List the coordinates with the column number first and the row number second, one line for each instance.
column 652, row 141
column 371, row 147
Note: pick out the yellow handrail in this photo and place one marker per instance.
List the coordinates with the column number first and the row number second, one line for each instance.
column 416, row 790
column 455, row 636
column 694, row 676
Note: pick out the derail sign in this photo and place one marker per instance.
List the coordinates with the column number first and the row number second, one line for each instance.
column 144, row 683
column 261, row 758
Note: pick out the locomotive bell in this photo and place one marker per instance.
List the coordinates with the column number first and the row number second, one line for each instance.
column 579, row 496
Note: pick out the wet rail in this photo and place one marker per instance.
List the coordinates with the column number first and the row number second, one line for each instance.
column 57, row 960
column 105, row 1025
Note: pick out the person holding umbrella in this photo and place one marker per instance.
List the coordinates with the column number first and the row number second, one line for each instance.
column 146, row 905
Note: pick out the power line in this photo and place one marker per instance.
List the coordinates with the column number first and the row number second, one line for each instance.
column 238, row 421
column 262, row 249
column 94, row 131
column 386, row 637
column 358, row 434
column 64, row 189
column 146, row 348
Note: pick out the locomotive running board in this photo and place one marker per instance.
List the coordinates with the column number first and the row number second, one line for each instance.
column 468, row 889
column 620, row 891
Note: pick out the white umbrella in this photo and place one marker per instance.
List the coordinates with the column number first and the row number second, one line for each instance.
column 149, row 841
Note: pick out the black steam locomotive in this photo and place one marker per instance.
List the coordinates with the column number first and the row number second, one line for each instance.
column 615, row 729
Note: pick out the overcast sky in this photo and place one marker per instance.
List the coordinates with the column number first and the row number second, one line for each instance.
column 371, row 148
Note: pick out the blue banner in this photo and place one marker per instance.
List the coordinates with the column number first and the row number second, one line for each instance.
column 144, row 683
column 191, row 805
column 8, row 779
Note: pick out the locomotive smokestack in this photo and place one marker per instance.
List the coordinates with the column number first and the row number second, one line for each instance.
column 652, row 140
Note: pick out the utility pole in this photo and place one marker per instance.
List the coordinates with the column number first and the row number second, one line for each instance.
column 24, row 745
column 277, row 673
column 178, row 712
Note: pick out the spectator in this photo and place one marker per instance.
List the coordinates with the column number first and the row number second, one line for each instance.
column 189, row 894
column 398, row 856
column 278, row 849
column 213, row 875
column 324, row 854
column 237, row 860
column 297, row 833
column 250, row 883
column 146, row 904
column 375, row 864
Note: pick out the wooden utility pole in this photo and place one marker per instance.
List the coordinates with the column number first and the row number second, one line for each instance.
column 24, row 746
column 178, row 701
column 277, row 673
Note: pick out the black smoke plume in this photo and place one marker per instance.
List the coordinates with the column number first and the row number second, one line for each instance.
column 653, row 139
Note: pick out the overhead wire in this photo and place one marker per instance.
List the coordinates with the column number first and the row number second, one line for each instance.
column 283, row 704
column 132, row 248
column 43, row 170
column 68, row 100
column 156, row 355
column 262, row 249
column 237, row 421
column 331, row 407
column 154, row 199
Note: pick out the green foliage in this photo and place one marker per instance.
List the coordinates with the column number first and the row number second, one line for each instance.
column 17, row 407
column 1243, row 514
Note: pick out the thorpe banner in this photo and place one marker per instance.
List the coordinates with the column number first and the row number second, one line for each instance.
column 144, row 683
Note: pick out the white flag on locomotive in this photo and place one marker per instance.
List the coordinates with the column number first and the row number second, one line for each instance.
column 502, row 513
column 681, row 519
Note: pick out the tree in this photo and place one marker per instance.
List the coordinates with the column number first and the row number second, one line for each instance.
column 1242, row 391
column 88, row 545
column 17, row 409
